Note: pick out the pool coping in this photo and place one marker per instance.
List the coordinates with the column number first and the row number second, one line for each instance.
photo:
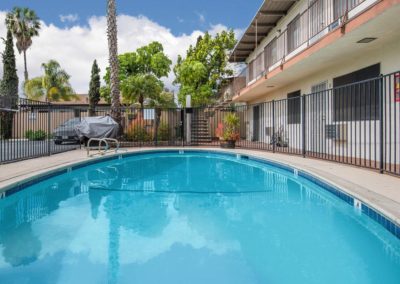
column 379, row 214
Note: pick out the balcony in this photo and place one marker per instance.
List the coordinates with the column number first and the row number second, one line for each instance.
column 233, row 87
column 320, row 18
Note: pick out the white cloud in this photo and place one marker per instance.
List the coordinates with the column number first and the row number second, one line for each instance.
column 202, row 18
column 218, row 28
column 69, row 18
column 75, row 47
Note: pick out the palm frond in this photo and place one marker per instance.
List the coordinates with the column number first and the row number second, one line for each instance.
column 34, row 89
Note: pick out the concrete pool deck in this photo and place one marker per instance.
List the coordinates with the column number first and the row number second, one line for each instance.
column 381, row 191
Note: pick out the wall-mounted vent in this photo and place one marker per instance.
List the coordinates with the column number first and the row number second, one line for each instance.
column 337, row 132
column 366, row 40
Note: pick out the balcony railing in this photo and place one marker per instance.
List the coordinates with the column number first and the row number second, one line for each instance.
column 239, row 82
column 234, row 87
column 321, row 17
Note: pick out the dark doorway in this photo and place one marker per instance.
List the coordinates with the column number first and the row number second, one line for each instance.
column 256, row 123
column 294, row 107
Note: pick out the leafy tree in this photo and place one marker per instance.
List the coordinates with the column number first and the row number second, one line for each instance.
column 140, row 69
column 94, row 89
column 201, row 74
column 139, row 87
column 24, row 24
column 52, row 86
column 9, row 84
column 8, row 87
column 112, row 37
column 163, row 100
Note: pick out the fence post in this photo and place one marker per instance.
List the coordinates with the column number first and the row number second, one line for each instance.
column 381, row 125
column 182, row 126
column 189, row 112
column 80, row 120
column 273, row 127
column 157, row 124
column 49, row 129
column 303, row 121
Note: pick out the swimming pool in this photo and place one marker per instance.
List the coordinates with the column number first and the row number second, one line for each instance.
column 189, row 217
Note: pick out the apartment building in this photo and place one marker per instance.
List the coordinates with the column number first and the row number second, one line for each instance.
column 313, row 80
column 310, row 45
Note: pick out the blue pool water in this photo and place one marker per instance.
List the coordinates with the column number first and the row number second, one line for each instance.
column 189, row 218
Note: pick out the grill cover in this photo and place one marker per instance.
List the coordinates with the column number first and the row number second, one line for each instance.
column 97, row 127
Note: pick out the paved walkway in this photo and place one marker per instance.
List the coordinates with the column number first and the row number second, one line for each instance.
column 380, row 191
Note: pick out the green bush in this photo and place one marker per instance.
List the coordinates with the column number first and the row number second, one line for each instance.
column 231, row 125
column 163, row 133
column 138, row 133
column 35, row 135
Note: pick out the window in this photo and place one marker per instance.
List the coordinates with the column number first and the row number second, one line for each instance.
column 251, row 71
column 357, row 101
column 293, row 34
column 294, row 107
column 319, row 87
column 316, row 14
column 339, row 8
column 270, row 54
column 259, row 68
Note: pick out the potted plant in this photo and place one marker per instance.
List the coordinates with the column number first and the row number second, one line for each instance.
column 227, row 132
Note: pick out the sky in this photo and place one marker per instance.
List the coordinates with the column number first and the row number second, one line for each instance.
column 74, row 31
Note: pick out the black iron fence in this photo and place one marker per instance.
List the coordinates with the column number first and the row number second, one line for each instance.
column 356, row 124
column 27, row 128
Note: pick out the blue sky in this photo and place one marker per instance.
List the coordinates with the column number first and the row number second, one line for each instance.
column 74, row 31
column 181, row 16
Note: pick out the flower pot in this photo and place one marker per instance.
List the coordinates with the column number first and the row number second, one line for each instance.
column 228, row 144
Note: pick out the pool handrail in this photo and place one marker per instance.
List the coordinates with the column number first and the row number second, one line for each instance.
column 99, row 147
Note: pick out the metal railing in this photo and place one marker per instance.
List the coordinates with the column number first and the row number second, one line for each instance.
column 321, row 17
column 355, row 124
column 232, row 87
column 27, row 128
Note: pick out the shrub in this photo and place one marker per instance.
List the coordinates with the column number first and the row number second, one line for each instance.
column 231, row 124
column 35, row 135
column 163, row 133
column 137, row 132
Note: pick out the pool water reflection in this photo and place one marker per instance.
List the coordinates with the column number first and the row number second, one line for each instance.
column 191, row 218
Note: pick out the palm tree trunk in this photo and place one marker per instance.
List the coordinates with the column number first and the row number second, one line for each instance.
column 157, row 124
column 141, row 102
column 26, row 68
column 113, row 61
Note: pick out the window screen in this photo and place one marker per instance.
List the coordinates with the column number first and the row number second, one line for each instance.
column 294, row 108
column 357, row 101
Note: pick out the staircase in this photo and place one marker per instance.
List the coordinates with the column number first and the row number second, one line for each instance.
column 200, row 129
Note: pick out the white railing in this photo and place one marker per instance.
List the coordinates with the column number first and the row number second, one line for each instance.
column 321, row 17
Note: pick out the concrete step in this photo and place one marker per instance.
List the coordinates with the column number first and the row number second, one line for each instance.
column 202, row 140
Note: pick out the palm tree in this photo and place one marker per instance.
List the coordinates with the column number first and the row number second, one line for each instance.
column 113, row 61
column 52, row 86
column 164, row 100
column 24, row 24
column 139, row 88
